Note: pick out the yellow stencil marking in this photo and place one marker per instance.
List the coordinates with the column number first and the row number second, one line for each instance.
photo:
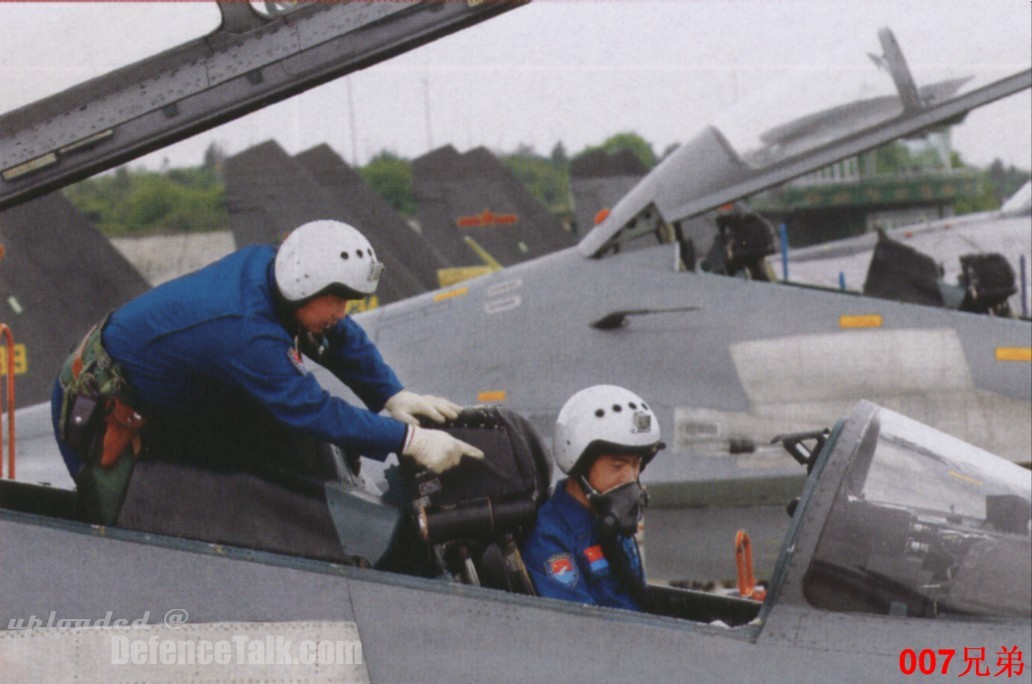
column 21, row 360
column 965, row 478
column 1014, row 353
column 860, row 321
column 441, row 296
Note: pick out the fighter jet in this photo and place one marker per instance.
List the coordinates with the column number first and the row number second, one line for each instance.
column 726, row 362
column 949, row 245
column 908, row 551
column 924, row 559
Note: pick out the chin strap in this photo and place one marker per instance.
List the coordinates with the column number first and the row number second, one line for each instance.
column 312, row 345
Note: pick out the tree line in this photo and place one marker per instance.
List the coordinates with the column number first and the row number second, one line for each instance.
column 134, row 202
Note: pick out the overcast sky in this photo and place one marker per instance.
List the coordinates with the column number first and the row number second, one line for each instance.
column 570, row 71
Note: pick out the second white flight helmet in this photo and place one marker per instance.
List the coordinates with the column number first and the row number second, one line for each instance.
column 604, row 419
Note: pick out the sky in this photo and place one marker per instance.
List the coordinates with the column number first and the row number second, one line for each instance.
column 575, row 71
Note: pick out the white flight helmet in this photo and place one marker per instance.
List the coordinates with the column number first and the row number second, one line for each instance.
column 326, row 257
column 601, row 419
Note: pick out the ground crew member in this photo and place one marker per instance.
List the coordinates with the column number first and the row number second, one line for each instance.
column 582, row 547
column 217, row 354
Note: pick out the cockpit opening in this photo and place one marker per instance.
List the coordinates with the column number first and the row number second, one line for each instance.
column 925, row 525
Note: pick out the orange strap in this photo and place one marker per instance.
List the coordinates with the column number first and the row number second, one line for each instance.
column 123, row 425
column 743, row 558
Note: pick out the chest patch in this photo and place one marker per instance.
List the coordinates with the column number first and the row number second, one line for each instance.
column 562, row 569
column 295, row 359
column 596, row 560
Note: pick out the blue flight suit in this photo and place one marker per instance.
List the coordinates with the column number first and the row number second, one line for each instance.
column 564, row 557
column 216, row 338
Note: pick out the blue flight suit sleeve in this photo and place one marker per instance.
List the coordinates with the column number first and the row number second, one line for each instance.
column 294, row 397
column 355, row 360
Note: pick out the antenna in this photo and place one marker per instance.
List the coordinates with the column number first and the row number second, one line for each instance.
column 352, row 125
column 426, row 110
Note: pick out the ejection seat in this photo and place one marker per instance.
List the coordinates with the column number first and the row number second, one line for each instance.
column 285, row 493
column 469, row 520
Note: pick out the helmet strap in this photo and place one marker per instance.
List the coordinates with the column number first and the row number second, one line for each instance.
column 312, row 345
column 586, row 487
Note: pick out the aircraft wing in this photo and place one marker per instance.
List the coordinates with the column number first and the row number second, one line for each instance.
column 249, row 62
column 716, row 167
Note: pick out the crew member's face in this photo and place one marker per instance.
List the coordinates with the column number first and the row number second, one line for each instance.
column 321, row 313
column 610, row 471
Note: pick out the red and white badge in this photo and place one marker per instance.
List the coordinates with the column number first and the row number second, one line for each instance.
column 295, row 358
column 562, row 569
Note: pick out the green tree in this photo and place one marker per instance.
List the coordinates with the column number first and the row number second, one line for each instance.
column 1005, row 181
column 144, row 202
column 559, row 158
column 391, row 176
column 892, row 158
column 121, row 183
column 633, row 142
column 997, row 184
column 983, row 201
column 541, row 177
column 213, row 157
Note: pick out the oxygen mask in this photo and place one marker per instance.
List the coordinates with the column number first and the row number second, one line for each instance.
column 619, row 509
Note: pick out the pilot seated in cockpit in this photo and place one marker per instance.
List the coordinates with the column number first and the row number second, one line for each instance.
column 582, row 547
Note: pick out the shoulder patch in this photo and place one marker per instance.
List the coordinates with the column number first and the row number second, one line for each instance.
column 295, row 359
column 562, row 569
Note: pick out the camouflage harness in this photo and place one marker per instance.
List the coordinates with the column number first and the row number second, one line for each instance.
column 99, row 423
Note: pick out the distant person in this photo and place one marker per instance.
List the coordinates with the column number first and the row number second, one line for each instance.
column 582, row 547
column 212, row 363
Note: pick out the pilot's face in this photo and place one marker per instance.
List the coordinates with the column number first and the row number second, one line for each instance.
column 613, row 470
column 321, row 313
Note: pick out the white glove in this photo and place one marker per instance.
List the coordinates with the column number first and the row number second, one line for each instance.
column 437, row 450
column 405, row 406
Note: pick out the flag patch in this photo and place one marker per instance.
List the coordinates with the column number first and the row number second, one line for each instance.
column 596, row 560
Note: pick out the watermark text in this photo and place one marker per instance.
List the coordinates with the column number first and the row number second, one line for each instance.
column 237, row 649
